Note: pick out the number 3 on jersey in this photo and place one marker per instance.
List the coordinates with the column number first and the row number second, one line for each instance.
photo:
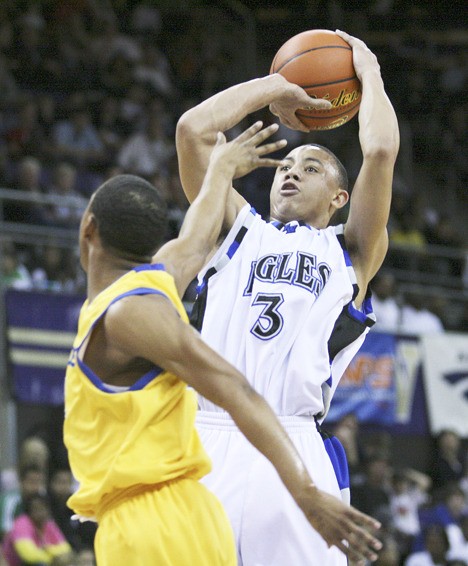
column 270, row 322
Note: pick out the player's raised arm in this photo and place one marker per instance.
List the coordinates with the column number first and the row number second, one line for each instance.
column 198, row 127
column 365, row 231
column 130, row 327
column 186, row 255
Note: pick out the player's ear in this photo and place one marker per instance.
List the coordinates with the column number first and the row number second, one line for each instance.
column 340, row 199
column 89, row 225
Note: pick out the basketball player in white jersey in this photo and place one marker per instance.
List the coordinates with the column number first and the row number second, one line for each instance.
column 286, row 301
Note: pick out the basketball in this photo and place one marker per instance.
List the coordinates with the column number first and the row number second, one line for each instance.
column 321, row 62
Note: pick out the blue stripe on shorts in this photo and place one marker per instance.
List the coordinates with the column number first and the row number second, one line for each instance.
column 337, row 455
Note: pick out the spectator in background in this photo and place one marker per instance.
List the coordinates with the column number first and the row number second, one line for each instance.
column 25, row 136
column 390, row 554
column 32, row 481
column 133, row 108
column 385, row 304
column 458, row 539
column 409, row 239
column 416, row 318
column 448, row 463
column 34, row 68
column 10, row 91
column 434, row 552
column 70, row 204
column 60, row 489
column 14, row 273
column 55, row 270
column 443, row 233
column 34, row 452
column 35, row 538
column 153, row 69
column 409, row 491
column 373, row 495
column 77, row 140
column 28, row 179
column 147, row 153
column 110, row 127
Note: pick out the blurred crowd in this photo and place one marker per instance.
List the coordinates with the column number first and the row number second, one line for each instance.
column 423, row 512
column 92, row 89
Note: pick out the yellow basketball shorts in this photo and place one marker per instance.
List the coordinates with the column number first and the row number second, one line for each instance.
column 178, row 524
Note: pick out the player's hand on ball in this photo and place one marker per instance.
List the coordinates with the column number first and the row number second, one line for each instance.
column 292, row 98
column 363, row 58
column 343, row 526
column 245, row 152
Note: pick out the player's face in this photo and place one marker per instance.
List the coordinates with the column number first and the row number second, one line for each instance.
column 304, row 187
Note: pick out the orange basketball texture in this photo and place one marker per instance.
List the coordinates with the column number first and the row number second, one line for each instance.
column 321, row 62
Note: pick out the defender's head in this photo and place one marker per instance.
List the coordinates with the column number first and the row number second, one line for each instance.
column 129, row 216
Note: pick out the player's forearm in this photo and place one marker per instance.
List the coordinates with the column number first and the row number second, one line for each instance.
column 227, row 108
column 204, row 217
column 378, row 125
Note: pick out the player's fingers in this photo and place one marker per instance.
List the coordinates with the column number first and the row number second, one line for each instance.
column 295, row 124
column 262, row 135
column 270, row 147
column 249, row 132
column 363, row 520
column 350, row 38
column 363, row 544
column 267, row 162
column 317, row 104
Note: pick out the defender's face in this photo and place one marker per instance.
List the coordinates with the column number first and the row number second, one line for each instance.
column 304, row 187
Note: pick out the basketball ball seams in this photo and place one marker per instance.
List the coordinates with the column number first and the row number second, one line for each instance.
column 329, row 83
column 303, row 53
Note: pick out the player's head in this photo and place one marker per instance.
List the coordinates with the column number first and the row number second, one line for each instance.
column 311, row 186
column 130, row 217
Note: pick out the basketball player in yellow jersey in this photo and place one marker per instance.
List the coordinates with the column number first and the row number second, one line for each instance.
column 129, row 415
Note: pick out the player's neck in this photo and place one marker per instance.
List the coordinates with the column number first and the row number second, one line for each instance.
column 102, row 272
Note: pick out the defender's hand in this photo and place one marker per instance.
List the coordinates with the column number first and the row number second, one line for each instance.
column 292, row 98
column 245, row 153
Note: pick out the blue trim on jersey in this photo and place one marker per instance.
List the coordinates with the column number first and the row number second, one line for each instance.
column 141, row 382
column 356, row 313
column 347, row 259
column 138, row 291
column 232, row 249
column 338, row 459
column 149, row 267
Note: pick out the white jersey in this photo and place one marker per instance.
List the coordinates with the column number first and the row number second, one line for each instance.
column 277, row 302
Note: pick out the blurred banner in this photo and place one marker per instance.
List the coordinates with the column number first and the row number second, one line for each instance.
column 446, row 381
column 383, row 385
column 379, row 384
column 40, row 332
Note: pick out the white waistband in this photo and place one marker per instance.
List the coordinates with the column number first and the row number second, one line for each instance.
column 223, row 421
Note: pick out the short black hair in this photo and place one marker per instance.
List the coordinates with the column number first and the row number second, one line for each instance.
column 131, row 216
column 342, row 174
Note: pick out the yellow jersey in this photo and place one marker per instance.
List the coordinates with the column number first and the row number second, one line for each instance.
column 121, row 443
